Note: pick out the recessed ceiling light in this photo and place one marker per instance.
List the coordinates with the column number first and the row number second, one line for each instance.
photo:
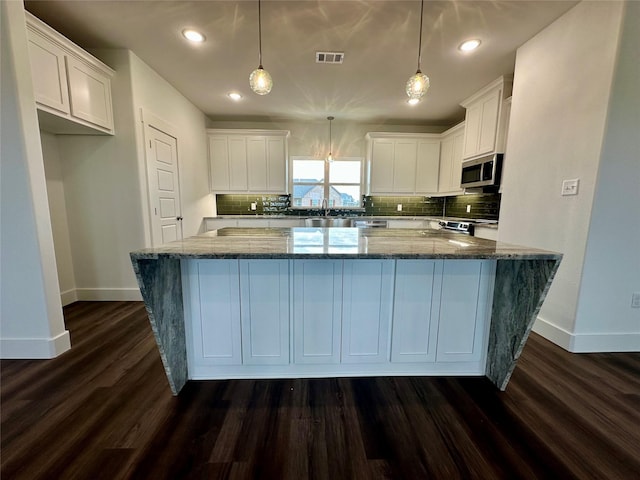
column 193, row 36
column 469, row 45
column 234, row 96
column 413, row 101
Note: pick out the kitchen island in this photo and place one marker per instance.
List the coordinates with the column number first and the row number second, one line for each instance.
column 328, row 302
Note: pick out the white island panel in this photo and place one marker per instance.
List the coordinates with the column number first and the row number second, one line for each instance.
column 317, row 310
column 367, row 310
column 415, row 310
column 264, row 307
column 464, row 306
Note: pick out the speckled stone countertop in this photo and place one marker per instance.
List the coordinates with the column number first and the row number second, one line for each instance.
column 339, row 243
column 523, row 276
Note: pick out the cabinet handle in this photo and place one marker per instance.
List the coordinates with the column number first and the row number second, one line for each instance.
column 179, row 218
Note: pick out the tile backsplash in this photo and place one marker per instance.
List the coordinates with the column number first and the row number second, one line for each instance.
column 481, row 205
column 485, row 206
column 266, row 204
column 412, row 206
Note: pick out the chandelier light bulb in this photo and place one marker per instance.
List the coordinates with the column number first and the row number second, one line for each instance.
column 260, row 81
column 417, row 85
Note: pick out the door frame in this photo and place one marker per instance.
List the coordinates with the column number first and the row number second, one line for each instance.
column 148, row 120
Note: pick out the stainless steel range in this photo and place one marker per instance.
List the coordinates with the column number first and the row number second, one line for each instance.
column 457, row 226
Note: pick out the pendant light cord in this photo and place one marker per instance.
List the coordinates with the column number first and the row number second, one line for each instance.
column 420, row 40
column 260, row 36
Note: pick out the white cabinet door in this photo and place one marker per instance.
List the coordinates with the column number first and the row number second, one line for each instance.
column 416, row 306
column 317, row 308
column 219, row 163
column 366, row 310
column 446, row 165
column 489, row 123
column 48, row 73
column 276, row 165
column 72, row 89
column 427, row 166
column 213, row 305
column 237, row 163
column 257, row 163
column 456, row 162
column 472, row 122
column 264, row 307
column 464, row 309
column 90, row 94
column 451, row 162
column 382, row 155
column 404, row 166
column 485, row 119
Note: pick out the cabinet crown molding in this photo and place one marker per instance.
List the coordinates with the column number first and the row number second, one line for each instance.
column 372, row 135
column 505, row 81
column 247, row 131
column 38, row 27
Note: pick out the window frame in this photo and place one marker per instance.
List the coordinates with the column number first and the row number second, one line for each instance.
column 326, row 184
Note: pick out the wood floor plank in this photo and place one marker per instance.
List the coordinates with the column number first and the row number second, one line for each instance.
column 104, row 410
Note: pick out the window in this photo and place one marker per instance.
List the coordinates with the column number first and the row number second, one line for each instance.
column 337, row 181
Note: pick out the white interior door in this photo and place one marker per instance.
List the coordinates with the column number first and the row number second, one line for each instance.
column 164, row 185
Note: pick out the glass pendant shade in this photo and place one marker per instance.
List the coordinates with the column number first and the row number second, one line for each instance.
column 260, row 81
column 417, row 85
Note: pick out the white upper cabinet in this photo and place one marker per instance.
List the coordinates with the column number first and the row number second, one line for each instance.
column 243, row 161
column 71, row 87
column 403, row 163
column 485, row 120
column 451, row 160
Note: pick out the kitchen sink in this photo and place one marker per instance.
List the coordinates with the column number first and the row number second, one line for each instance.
column 328, row 222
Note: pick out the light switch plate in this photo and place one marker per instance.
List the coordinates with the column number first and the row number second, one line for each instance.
column 570, row 187
column 399, row 207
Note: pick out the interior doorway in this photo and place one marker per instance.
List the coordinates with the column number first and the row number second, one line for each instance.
column 163, row 180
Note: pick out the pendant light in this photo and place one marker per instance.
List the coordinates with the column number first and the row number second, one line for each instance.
column 330, row 156
column 260, row 80
column 418, row 84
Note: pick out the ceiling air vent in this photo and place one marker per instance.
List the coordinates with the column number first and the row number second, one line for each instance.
column 330, row 57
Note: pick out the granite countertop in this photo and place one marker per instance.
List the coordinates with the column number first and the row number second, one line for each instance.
column 339, row 243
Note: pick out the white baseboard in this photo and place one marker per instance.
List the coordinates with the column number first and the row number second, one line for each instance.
column 587, row 342
column 68, row 297
column 35, row 348
column 108, row 294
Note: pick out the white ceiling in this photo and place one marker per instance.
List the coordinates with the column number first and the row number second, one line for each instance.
column 379, row 40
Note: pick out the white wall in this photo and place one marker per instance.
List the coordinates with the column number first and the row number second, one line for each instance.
column 612, row 260
column 31, row 321
column 154, row 95
column 105, row 180
column 58, row 215
column 561, row 94
column 103, row 198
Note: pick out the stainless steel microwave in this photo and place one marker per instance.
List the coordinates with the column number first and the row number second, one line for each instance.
column 482, row 171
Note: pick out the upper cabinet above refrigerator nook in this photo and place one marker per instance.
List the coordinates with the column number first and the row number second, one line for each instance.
column 486, row 119
column 72, row 88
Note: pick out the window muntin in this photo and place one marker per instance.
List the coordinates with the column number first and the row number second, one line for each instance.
column 338, row 181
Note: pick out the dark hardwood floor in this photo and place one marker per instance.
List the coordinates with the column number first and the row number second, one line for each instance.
column 103, row 410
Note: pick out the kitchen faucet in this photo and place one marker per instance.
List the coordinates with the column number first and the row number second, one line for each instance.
column 325, row 205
